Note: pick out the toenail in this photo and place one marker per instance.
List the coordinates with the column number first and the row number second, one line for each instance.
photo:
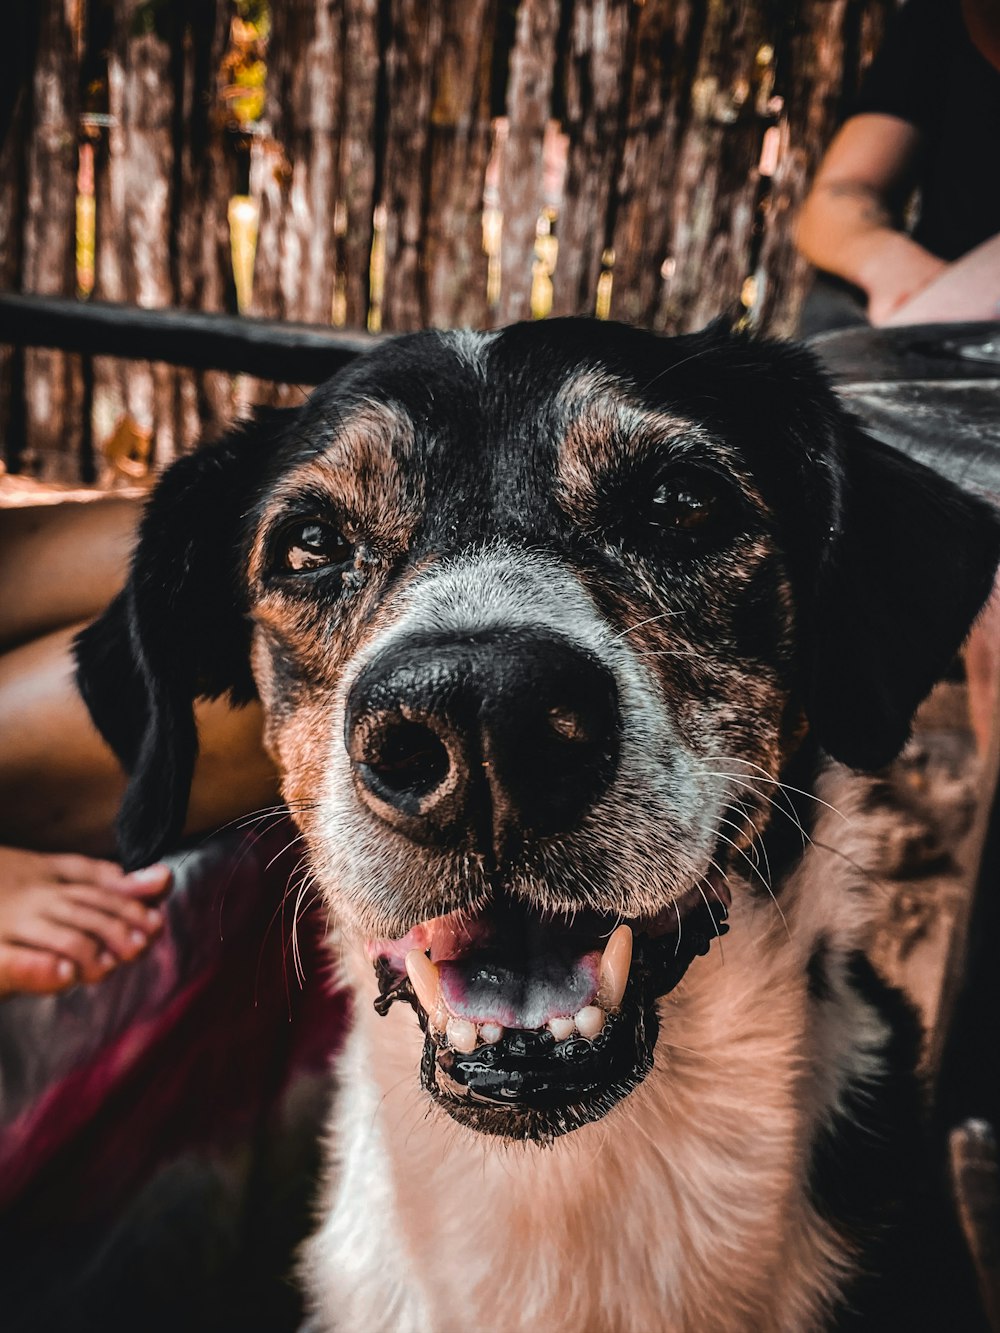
column 148, row 875
column 106, row 960
column 137, row 938
column 154, row 917
column 65, row 970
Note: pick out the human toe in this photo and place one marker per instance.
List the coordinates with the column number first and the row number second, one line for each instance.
column 114, row 933
column 32, row 971
column 88, row 871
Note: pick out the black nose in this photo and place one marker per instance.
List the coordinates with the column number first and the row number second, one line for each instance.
column 482, row 740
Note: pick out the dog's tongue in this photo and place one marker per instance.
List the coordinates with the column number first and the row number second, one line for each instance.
column 519, row 992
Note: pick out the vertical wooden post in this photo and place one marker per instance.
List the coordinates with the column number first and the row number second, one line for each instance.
column 17, row 61
column 714, row 185
column 437, row 143
column 314, row 173
column 134, row 220
column 359, row 40
column 53, row 381
column 667, row 42
column 294, row 276
column 416, row 32
column 529, row 108
column 205, row 182
column 596, row 93
column 452, row 255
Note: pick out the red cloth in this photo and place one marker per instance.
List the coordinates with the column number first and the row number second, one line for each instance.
column 193, row 1047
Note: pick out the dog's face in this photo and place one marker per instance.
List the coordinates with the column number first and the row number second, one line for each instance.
column 537, row 620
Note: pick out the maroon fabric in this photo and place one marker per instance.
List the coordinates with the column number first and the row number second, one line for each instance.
column 195, row 1047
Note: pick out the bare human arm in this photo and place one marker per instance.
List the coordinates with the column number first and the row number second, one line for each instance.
column 60, row 785
column 850, row 222
column 67, row 917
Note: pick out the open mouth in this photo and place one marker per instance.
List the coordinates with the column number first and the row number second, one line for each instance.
column 535, row 1025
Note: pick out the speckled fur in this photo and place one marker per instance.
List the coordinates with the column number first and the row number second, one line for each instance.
column 685, row 1208
column 511, row 480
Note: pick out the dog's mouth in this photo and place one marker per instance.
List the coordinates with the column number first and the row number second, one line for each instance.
column 535, row 1025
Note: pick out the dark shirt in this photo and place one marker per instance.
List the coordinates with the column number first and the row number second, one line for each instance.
column 929, row 73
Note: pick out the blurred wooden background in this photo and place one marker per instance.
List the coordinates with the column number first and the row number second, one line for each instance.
column 393, row 164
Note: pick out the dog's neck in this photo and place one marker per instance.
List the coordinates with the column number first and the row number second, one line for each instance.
column 697, row 1177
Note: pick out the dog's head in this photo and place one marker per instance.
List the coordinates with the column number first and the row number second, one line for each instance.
column 536, row 617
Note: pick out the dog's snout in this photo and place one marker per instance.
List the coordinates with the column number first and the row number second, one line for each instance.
column 484, row 739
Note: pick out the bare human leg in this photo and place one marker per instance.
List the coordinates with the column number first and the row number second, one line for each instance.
column 65, row 918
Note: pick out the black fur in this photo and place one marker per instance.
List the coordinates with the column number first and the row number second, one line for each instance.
column 890, row 563
column 177, row 631
column 873, row 1177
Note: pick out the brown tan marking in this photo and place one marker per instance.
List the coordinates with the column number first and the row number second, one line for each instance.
column 723, row 707
column 301, row 644
column 364, row 472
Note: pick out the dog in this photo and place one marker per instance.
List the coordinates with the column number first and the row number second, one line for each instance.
column 575, row 644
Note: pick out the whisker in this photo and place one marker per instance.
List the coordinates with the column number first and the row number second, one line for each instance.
column 788, row 811
column 764, row 776
column 691, row 1050
column 708, row 909
column 671, row 652
column 770, row 891
column 664, row 615
column 695, row 356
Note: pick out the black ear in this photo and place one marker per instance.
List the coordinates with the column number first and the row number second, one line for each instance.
column 177, row 631
column 908, row 564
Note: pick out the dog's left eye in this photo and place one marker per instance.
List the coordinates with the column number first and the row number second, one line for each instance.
column 688, row 502
column 311, row 545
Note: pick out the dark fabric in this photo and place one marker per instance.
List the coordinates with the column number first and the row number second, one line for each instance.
column 831, row 304
column 929, row 73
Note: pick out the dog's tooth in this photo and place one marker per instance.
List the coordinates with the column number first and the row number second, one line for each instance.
column 440, row 1016
column 424, row 979
column 491, row 1033
column 615, row 964
column 561, row 1028
column 461, row 1034
column 590, row 1020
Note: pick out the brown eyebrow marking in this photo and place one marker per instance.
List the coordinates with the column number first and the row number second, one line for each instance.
column 603, row 427
column 363, row 475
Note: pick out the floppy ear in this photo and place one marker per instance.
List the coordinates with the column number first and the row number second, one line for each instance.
column 909, row 562
column 177, row 631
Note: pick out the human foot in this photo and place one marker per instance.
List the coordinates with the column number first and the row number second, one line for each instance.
column 65, row 919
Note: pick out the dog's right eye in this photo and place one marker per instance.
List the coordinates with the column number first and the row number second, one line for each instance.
column 310, row 545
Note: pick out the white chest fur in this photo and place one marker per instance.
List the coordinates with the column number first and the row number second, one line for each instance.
column 684, row 1209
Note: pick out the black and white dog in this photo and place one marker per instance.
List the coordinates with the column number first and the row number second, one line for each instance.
column 571, row 641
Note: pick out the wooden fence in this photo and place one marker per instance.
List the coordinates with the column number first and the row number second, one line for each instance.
column 418, row 162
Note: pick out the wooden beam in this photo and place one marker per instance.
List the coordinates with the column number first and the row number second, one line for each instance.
column 297, row 353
